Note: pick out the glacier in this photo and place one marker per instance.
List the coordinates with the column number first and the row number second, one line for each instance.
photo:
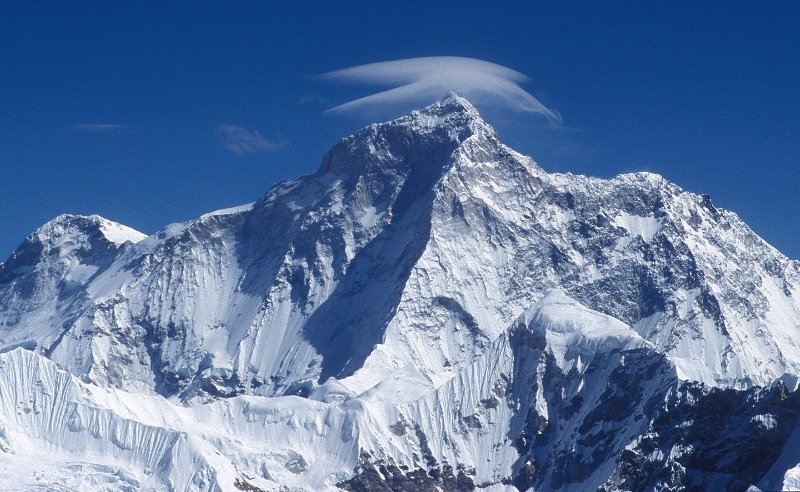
column 430, row 310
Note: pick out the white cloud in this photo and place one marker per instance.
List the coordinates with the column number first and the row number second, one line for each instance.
column 98, row 127
column 242, row 141
column 422, row 80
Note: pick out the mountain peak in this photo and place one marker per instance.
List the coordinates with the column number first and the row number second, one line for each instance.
column 451, row 103
column 453, row 112
column 429, row 297
column 435, row 130
column 69, row 225
column 69, row 234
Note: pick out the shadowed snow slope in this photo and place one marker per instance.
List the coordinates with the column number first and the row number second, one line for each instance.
column 365, row 310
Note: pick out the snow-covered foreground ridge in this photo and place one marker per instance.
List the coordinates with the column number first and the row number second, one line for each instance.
column 429, row 309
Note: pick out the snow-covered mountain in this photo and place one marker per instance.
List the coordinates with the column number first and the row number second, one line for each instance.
column 430, row 309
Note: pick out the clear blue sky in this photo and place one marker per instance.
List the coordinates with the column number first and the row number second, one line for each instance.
column 706, row 95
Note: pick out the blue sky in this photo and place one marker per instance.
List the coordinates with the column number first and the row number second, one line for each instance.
column 150, row 113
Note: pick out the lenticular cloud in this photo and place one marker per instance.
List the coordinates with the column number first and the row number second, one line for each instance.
column 421, row 80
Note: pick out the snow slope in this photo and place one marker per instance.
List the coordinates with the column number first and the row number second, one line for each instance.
column 429, row 293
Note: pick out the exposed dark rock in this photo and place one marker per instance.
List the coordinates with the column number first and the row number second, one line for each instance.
column 387, row 476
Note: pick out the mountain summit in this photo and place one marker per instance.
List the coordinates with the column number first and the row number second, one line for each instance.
column 429, row 309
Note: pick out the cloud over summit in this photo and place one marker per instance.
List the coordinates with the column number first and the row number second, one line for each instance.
column 422, row 80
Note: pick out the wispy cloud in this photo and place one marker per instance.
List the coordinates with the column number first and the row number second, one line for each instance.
column 242, row 141
column 98, row 127
column 422, row 80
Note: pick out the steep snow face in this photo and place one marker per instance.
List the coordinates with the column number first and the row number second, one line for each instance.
column 84, row 435
column 414, row 246
column 525, row 397
column 50, row 271
column 59, row 433
column 566, row 398
column 56, row 431
column 572, row 332
column 269, row 298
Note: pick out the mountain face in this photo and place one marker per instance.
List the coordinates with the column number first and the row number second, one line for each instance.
column 429, row 310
